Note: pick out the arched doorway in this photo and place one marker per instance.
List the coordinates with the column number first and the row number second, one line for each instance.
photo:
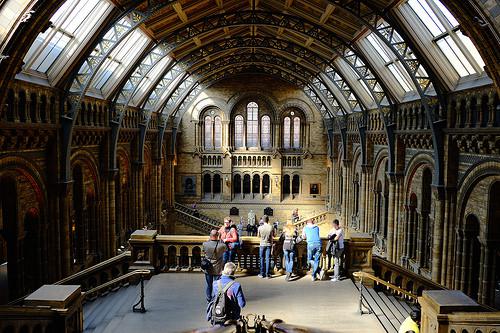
column 295, row 185
column 207, row 184
column 286, row 186
column 237, row 184
column 255, row 185
column 217, row 186
column 265, row 184
column 246, row 184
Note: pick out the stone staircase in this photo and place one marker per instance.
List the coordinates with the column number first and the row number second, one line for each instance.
column 104, row 314
column 390, row 310
column 190, row 221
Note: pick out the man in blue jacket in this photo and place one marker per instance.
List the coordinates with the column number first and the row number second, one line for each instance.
column 311, row 234
column 234, row 293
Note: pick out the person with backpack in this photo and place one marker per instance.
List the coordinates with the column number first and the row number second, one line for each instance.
column 227, row 298
column 289, row 238
column 214, row 251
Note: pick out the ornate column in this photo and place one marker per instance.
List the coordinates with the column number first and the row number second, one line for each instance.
column 365, row 174
column 437, row 246
column 225, row 134
column 458, row 260
column 391, row 216
column 65, row 204
column 111, row 222
column 345, row 193
column 465, row 251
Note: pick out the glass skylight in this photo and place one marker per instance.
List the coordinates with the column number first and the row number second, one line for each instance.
column 120, row 60
column 70, row 26
column 444, row 29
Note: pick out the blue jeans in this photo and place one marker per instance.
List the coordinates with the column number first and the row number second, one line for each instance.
column 313, row 254
column 229, row 255
column 265, row 260
column 210, row 282
column 289, row 255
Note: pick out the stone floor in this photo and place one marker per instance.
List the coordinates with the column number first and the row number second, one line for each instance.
column 175, row 303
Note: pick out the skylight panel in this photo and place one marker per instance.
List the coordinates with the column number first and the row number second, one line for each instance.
column 150, row 78
column 455, row 56
column 120, row 59
column 471, row 48
column 400, row 77
column 70, row 26
column 428, row 17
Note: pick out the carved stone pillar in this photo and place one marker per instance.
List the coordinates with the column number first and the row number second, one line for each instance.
column 437, row 246
column 390, row 219
column 65, row 202
column 111, row 222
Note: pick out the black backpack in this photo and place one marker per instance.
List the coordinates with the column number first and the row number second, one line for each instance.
column 222, row 307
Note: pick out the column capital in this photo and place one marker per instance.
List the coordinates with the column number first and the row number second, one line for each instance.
column 367, row 168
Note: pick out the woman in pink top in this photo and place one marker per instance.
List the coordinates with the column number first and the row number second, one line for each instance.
column 229, row 236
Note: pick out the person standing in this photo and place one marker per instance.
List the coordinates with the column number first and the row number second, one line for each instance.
column 290, row 239
column 295, row 215
column 266, row 234
column 234, row 293
column 214, row 251
column 311, row 234
column 336, row 234
column 228, row 236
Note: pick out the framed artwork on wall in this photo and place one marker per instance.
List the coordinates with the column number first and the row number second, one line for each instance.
column 189, row 185
column 314, row 189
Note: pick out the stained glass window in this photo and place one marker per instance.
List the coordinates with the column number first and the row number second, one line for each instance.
column 238, row 131
column 252, row 124
column 266, row 132
column 218, row 133
column 296, row 132
column 286, row 133
column 208, row 132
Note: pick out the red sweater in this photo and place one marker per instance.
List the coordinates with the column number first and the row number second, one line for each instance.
column 229, row 236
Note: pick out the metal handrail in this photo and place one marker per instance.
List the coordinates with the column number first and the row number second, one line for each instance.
column 397, row 289
column 114, row 281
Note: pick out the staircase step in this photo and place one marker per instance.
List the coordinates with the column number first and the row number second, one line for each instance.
column 110, row 307
column 399, row 304
column 393, row 308
column 373, row 301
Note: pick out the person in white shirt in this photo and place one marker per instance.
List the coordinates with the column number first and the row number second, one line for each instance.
column 336, row 234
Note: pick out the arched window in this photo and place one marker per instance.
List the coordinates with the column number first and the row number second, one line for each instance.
column 286, row 133
column 265, row 139
column 252, row 124
column 246, row 184
column 256, row 184
column 295, row 184
column 207, row 183
column 217, row 184
column 208, row 132
column 265, row 184
column 286, row 184
column 296, row 132
column 217, row 133
column 238, row 131
column 237, row 183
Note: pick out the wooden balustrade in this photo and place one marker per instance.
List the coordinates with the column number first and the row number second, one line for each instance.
column 181, row 253
column 98, row 274
column 115, row 284
column 317, row 218
column 454, row 312
column 402, row 277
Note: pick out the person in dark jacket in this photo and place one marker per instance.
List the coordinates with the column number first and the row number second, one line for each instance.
column 214, row 251
column 234, row 293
